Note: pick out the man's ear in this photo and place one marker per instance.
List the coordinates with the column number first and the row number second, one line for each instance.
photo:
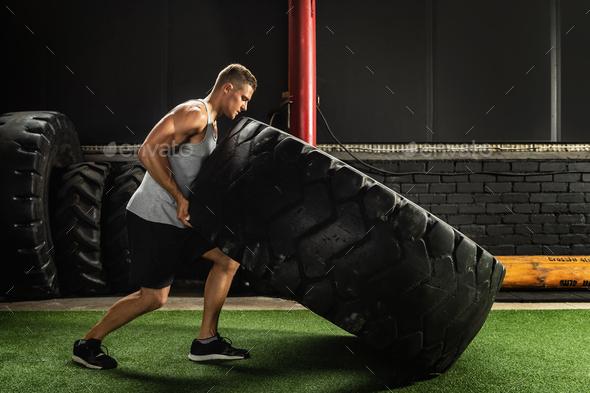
column 227, row 87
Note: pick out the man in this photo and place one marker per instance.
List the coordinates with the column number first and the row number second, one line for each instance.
column 158, row 224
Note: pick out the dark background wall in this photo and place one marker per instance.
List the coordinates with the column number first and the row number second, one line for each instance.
column 133, row 61
column 575, row 89
column 482, row 49
column 385, row 70
column 371, row 69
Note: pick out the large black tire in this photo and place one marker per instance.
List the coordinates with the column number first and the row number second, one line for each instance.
column 344, row 245
column 78, row 227
column 258, row 285
column 34, row 147
column 117, row 262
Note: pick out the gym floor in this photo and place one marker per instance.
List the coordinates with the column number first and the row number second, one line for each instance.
column 189, row 296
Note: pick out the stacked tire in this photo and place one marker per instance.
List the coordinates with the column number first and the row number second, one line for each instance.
column 345, row 246
column 62, row 230
column 93, row 249
column 79, row 227
column 117, row 262
column 35, row 148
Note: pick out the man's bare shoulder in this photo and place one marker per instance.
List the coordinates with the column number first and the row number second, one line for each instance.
column 190, row 116
column 192, row 107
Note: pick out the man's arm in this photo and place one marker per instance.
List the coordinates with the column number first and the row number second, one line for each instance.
column 172, row 130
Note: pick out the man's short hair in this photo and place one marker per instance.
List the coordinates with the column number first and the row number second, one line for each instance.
column 237, row 75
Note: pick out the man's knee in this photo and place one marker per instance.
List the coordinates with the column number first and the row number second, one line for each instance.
column 154, row 298
column 229, row 264
column 221, row 259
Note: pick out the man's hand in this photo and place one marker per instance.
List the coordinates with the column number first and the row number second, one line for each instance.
column 182, row 212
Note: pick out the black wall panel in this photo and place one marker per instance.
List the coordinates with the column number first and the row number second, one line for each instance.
column 23, row 34
column 575, row 63
column 208, row 36
column 131, row 62
column 386, row 51
column 115, row 52
column 98, row 63
column 482, row 50
column 115, row 68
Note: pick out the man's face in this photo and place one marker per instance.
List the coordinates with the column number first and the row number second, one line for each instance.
column 237, row 101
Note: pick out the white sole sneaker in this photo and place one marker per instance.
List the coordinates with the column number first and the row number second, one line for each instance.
column 200, row 358
column 85, row 363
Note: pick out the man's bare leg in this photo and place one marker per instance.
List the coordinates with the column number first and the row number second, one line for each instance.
column 127, row 309
column 216, row 289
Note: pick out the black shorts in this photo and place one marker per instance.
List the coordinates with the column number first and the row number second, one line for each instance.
column 157, row 250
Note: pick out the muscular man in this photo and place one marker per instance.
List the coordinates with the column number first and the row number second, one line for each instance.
column 158, row 224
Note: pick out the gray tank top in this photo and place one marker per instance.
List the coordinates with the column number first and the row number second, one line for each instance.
column 152, row 202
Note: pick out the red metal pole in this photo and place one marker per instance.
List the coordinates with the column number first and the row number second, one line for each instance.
column 302, row 69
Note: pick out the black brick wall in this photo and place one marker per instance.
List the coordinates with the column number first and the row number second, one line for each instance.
column 509, row 207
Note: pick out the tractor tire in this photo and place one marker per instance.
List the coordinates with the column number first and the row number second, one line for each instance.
column 78, row 229
column 345, row 246
column 35, row 148
column 117, row 262
column 258, row 285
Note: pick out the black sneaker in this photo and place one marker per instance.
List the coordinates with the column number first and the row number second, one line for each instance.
column 218, row 349
column 88, row 353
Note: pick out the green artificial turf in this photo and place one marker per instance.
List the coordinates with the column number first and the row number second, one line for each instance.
column 296, row 351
